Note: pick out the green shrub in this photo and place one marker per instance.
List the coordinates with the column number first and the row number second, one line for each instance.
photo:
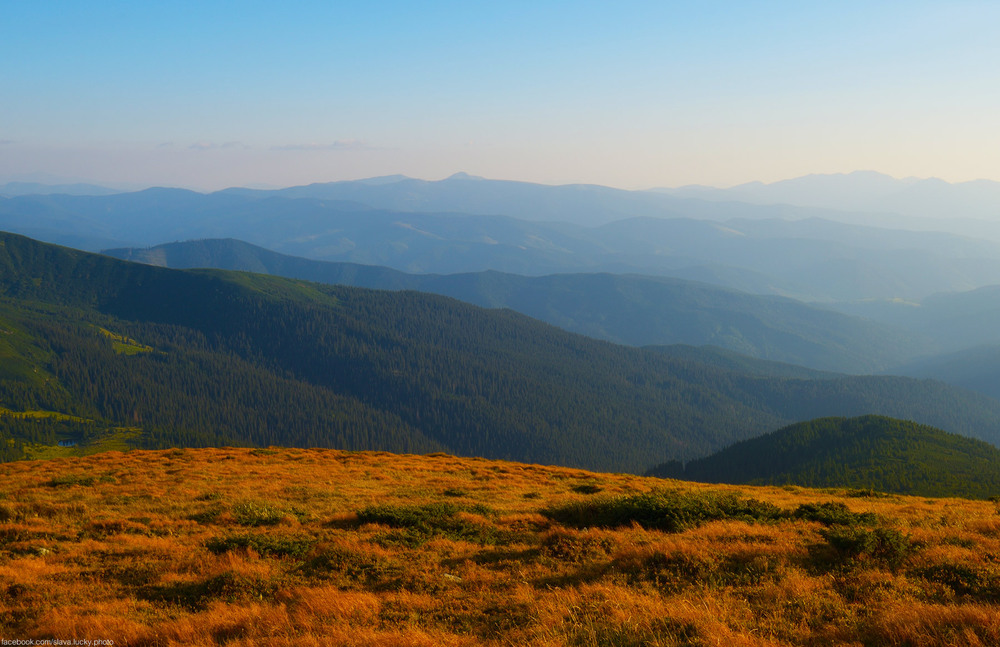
column 865, row 493
column 669, row 510
column 263, row 544
column 965, row 580
column 427, row 518
column 354, row 567
column 833, row 513
column 226, row 587
column 420, row 523
column 886, row 546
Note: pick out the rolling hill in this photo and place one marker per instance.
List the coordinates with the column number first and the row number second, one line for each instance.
column 865, row 452
column 94, row 346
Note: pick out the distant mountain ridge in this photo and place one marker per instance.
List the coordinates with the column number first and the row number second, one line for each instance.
column 580, row 204
column 629, row 309
column 512, row 227
column 867, row 191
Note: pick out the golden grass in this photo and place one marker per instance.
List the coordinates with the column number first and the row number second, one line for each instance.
column 321, row 547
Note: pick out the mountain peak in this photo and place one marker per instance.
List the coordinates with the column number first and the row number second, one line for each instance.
column 461, row 175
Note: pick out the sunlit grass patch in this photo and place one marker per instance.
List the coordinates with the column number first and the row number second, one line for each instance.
column 125, row 345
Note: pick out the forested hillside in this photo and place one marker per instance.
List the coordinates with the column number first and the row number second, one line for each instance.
column 208, row 357
column 875, row 452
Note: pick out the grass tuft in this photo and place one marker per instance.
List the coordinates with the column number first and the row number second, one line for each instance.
column 257, row 513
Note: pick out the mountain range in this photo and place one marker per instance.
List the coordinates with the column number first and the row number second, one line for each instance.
column 759, row 249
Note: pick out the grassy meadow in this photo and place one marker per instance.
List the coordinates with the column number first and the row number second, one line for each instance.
column 323, row 547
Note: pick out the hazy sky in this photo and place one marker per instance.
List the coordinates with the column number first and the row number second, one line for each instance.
column 630, row 94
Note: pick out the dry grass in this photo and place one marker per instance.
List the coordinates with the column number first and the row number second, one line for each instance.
column 318, row 547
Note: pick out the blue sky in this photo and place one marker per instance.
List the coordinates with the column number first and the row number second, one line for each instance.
column 630, row 94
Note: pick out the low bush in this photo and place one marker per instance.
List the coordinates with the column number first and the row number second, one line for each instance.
column 262, row 544
column 420, row 523
column 225, row 587
column 885, row 546
column 352, row 567
column 833, row 513
column 977, row 582
column 669, row 510
column 673, row 572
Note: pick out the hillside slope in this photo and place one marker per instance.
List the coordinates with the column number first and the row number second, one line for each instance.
column 866, row 452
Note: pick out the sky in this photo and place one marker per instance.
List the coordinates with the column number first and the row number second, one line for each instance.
column 635, row 95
